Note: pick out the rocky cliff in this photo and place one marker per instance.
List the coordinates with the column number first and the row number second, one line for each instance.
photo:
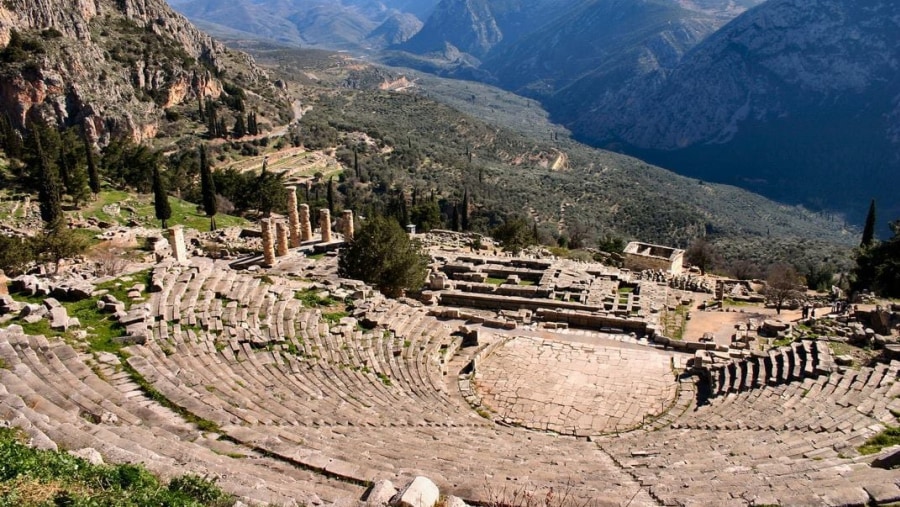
column 115, row 66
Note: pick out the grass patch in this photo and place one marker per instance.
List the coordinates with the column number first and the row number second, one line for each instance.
column 139, row 208
column 317, row 257
column 732, row 302
column 312, row 299
column 385, row 379
column 887, row 438
column 334, row 317
column 527, row 283
column 783, row 342
column 495, row 281
column 675, row 322
column 33, row 477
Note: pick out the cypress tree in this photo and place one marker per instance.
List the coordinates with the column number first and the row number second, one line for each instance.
column 207, row 188
column 212, row 120
column 161, row 199
column 93, row 174
column 464, row 219
column 454, row 221
column 48, row 192
column 869, row 230
column 239, row 130
column 356, row 162
column 330, row 195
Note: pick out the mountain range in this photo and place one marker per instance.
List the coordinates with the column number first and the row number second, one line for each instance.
column 332, row 24
column 796, row 99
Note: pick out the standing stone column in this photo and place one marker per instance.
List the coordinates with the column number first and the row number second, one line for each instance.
column 4, row 283
column 325, row 225
column 293, row 217
column 176, row 241
column 305, row 226
column 281, row 235
column 267, row 243
column 347, row 221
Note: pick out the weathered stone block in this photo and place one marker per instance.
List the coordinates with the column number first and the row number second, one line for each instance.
column 421, row 492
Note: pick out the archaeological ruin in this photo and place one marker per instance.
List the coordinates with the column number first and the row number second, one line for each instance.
column 506, row 374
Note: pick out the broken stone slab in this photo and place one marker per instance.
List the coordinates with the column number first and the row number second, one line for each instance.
column 72, row 292
column 421, row 492
column 381, row 493
column 59, row 319
column 9, row 305
column 30, row 285
column 33, row 318
column 51, row 303
column 454, row 501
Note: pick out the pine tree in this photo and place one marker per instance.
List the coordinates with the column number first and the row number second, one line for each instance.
column 207, row 188
column 161, row 199
column 868, row 234
column 383, row 255
column 93, row 174
column 49, row 191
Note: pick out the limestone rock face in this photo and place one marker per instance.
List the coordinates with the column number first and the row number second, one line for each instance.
column 111, row 65
column 421, row 492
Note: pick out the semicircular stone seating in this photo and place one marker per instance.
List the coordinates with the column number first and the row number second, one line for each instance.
column 317, row 404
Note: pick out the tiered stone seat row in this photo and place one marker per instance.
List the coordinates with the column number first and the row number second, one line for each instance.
column 359, row 404
column 741, row 467
column 786, row 364
column 787, row 439
column 48, row 391
column 850, row 403
column 367, row 405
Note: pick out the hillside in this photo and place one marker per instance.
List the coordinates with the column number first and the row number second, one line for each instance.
column 566, row 187
column 117, row 67
column 797, row 100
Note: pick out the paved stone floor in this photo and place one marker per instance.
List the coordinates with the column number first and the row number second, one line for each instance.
column 574, row 388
